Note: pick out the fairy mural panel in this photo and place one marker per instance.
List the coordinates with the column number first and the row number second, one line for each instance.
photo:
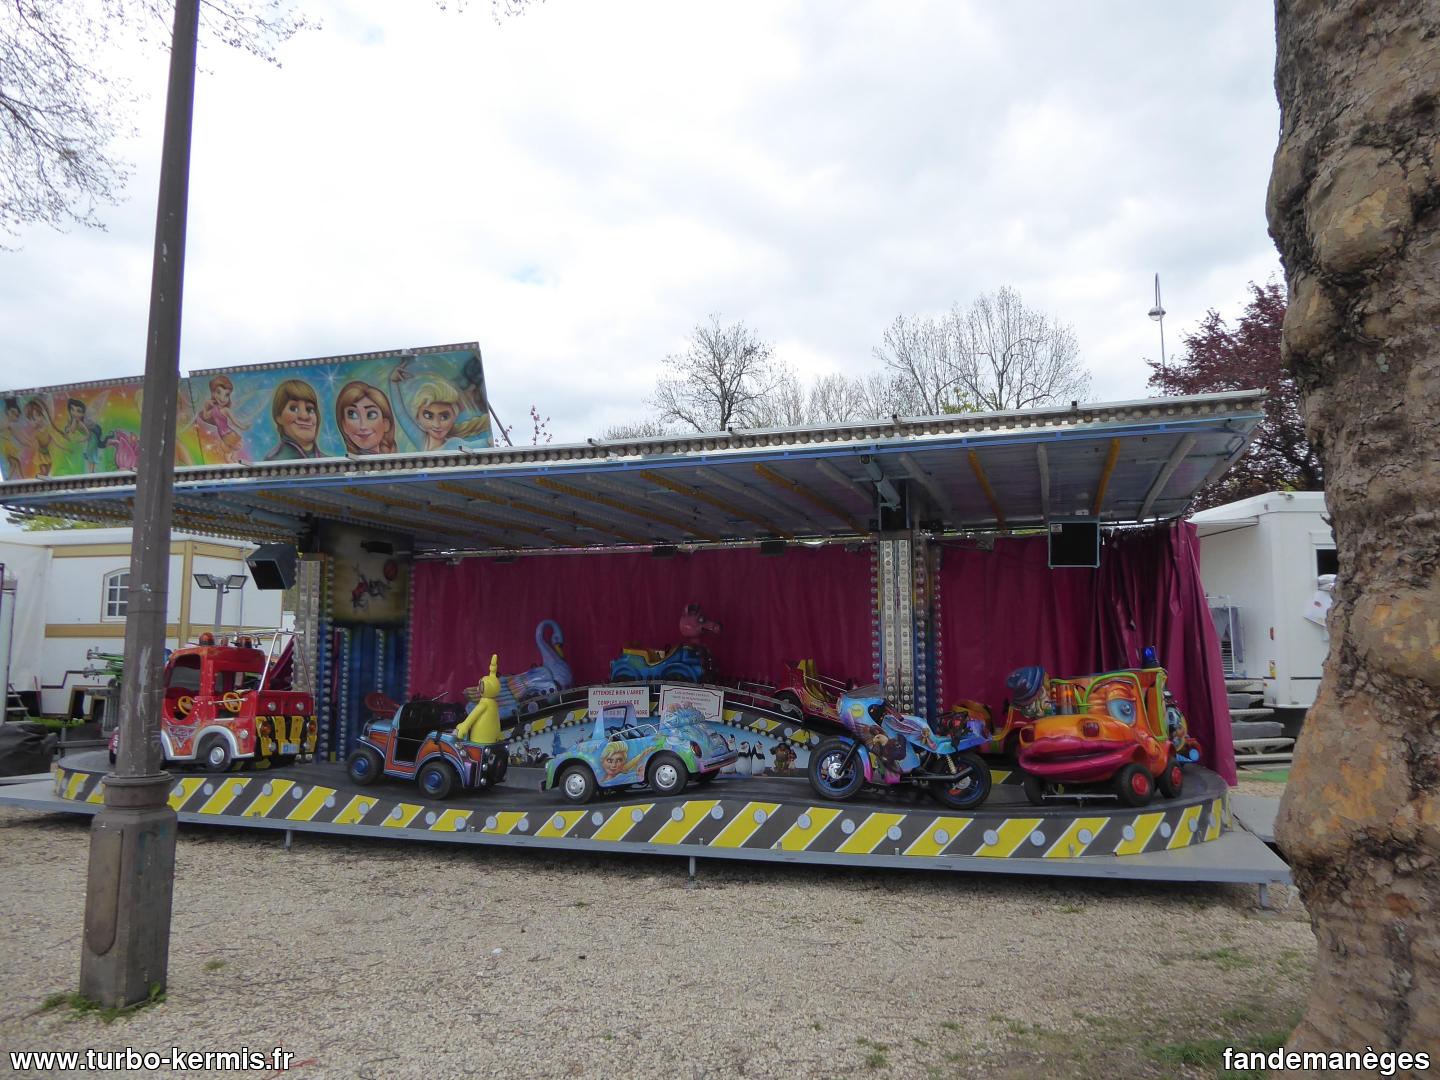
column 412, row 401
column 78, row 429
column 368, row 587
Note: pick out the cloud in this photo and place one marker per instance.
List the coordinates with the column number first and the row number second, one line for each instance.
column 578, row 187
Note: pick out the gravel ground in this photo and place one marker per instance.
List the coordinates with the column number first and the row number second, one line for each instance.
column 380, row 959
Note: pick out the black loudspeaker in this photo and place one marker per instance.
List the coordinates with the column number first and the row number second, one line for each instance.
column 1075, row 543
column 272, row 566
column 772, row 547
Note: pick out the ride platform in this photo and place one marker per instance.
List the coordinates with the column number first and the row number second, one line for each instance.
column 1194, row 838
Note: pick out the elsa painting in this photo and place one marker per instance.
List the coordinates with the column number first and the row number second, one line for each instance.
column 431, row 416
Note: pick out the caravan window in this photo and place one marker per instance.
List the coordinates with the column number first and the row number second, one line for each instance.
column 1326, row 562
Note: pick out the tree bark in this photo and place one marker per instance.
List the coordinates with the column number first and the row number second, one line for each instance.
column 1353, row 207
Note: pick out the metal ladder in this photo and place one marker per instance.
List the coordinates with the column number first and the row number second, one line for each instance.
column 14, row 706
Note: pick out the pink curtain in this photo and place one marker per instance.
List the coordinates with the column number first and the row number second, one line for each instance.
column 805, row 603
column 1005, row 608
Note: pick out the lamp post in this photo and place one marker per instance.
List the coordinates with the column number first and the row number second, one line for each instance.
column 125, row 950
column 1157, row 313
column 221, row 585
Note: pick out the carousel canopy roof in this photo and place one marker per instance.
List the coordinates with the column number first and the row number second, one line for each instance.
column 1118, row 463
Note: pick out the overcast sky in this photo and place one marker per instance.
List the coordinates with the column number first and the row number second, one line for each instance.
column 576, row 188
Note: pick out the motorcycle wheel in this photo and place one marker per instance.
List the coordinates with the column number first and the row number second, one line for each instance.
column 830, row 776
column 971, row 785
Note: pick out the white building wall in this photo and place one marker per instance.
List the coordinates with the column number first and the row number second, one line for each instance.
column 75, row 620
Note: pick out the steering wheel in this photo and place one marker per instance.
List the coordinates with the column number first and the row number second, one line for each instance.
column 183, row 704
column 232, row 700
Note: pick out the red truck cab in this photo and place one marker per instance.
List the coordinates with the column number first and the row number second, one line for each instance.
column 223, row 704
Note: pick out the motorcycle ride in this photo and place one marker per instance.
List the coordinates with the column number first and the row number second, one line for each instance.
column 885, row 747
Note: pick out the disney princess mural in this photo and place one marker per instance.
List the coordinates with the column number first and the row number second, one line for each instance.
column 416, row 401
column 295, row 409
column 432, row 419
column 364, row 418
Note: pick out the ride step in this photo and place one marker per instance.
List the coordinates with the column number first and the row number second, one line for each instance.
column 1257, row 729
column 1245, row 700
column 1245, row 686
column 1241, row 715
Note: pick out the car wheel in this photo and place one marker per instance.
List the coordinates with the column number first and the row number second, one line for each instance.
column 790, row 704
column 1134, row 785
column 969, row 788
column 705, row 778
column 214, row 753
column 835, row 771
column 667, row 775
column 364, row 766
column 577, row 783
column 1034, row 789
column 436, row 779
column 1171, row 782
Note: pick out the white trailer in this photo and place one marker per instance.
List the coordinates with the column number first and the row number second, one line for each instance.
column 1265, row 562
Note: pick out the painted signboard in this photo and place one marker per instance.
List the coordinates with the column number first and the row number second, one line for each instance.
column 410, row 401
column 600, row 696
column 710, row 703
column 369, row 585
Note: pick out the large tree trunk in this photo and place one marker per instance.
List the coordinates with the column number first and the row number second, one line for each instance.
column 1353, row 206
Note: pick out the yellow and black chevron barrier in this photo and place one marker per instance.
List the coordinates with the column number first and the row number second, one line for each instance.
column 729, row 824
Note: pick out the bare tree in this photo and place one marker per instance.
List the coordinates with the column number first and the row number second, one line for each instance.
column 1353, row 208
column 889, row 393
column 834, row 399
column 722, row 380
column 62, row 109
column 996, row 355
column 920, row 351
column 1009, row 356
column 786, row 405
column 640, row 429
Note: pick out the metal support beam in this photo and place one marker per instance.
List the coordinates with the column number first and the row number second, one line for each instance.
column 928, row 482
column 614, row 504
column 1177, row 456
column 1042, row 461
column 1104, row 481
column 762, row 498
column 896, row 598
column 984, row 482
column 783, row 481
column 681, row 488
column 859, row 490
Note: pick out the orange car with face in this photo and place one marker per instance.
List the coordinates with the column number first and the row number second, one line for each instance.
column 1121, row 725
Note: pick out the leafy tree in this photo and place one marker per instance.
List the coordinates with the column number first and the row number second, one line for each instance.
column 1218, row 358
column 1352, row 207
column 994, row 356
column 726, row 377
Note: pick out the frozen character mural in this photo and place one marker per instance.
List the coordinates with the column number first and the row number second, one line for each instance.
column 296, row 412
column 365, row 419
column 432, row 416
column 216, row 415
